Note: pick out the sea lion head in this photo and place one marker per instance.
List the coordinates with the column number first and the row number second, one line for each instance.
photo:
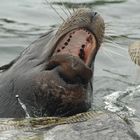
column 52, row 77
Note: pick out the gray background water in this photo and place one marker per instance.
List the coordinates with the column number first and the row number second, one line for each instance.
column 21, row 22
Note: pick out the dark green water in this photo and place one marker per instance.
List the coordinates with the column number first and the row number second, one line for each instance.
column 21, row 22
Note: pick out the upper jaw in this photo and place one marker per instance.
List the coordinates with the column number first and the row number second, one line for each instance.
column 94, row 25
column 87, row 19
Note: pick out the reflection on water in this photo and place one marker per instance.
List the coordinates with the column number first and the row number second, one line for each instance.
column 21, row 22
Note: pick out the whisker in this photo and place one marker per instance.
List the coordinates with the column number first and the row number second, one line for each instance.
column 67, row 9
column 107, row 24
column 114, row 44
column 82, row 5
column 109, row 34
column 85, row 6
column 55, row 10
column 116, row 53
column 113, row 52
column 72, row 7
column 110, row 31
column 63, row 9
column 107, row 54
column 108, row 28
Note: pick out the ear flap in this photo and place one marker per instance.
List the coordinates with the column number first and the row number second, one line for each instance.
column 7, row 66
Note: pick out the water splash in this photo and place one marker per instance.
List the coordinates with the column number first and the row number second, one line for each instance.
column 23, row 106
column 113, row 101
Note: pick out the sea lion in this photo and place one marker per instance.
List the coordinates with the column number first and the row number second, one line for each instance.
column 134, row 52
column 52, row 76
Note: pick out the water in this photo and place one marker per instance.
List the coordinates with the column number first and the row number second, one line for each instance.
column 23, row 106
column 116, row 78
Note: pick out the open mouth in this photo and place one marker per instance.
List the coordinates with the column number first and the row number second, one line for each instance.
column 78, row 42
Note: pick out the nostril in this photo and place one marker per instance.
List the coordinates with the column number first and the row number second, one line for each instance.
column 94, row 14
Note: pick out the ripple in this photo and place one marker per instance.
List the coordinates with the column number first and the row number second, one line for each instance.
column 88, row 3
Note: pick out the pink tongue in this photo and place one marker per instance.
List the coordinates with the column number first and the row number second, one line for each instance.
column 78, row 43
